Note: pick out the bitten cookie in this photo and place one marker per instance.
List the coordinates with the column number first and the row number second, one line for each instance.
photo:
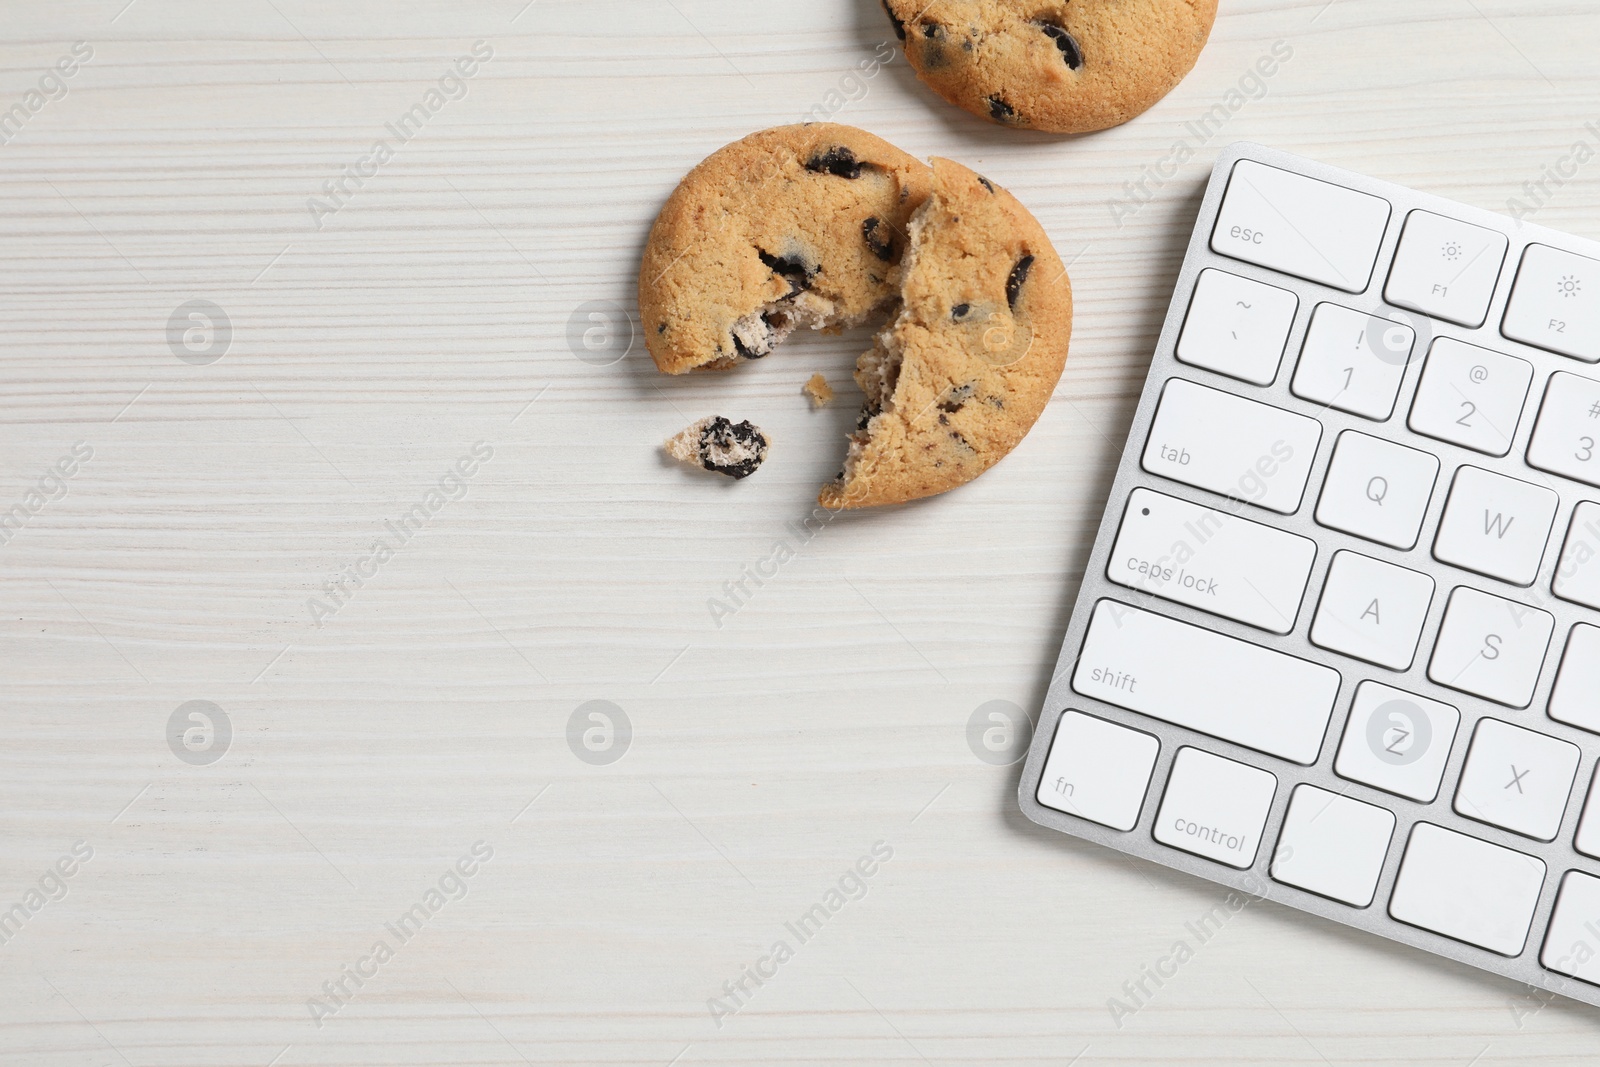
column 1066, row 67
column 793, row 226
column 964, row 370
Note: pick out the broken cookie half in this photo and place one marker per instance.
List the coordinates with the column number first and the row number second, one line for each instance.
column 828, row 226
column 972, row 355
column 796, row 226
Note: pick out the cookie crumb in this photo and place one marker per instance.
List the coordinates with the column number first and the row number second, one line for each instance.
column 818, row 390
column 721, row 446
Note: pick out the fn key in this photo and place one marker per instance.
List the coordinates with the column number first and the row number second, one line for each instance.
column 1098, row 771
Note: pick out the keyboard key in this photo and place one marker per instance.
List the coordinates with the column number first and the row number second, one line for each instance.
column 1215, row 807
column 1397, row 741
column 1571, row 946
column 1578, row 574
column 1231, row 567
column 1182, row 674
column 1587, row 839
column 1332, row 845
column 1576, row 699
column 1554, row 305
column 1377, row 489
column 1446, row 268
column 1098, row 770
column 1353, row 361
column 1496, row 525
column 1566, row 435
column 1372, row 610
column 1237, row 327
column 1467, row 889
column 1491, row 647
column 1471, row 396
column 1301, row 226
column 1239, row 448
column 1517, row 779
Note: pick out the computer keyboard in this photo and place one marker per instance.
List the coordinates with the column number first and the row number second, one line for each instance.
column 1338, row 643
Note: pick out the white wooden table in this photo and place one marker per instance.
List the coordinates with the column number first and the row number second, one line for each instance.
column 371, row 333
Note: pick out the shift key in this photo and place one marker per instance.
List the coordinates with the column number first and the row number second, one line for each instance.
column 1240, row 448
column 1218, row 685
column 1232, row 567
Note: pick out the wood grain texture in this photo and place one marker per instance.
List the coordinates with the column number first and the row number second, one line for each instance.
column 430, row 712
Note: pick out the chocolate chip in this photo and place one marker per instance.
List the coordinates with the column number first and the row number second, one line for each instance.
column 1019, row 274
column 932, row 30
column 959, row 312
column 879, row 238
column 1071, row 50
column 899, row 23
column 985, row 183
column 837, row 161
column 793, row 271
column 868, row 413
column 957, row 398
column 1001, row 111
column 944, row 420
column 662, row 328
column 744, row 352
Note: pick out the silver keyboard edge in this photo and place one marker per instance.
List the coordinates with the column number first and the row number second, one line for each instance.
column 1559, row 856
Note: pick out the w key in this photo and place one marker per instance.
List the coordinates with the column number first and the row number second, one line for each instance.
column 1496, row 526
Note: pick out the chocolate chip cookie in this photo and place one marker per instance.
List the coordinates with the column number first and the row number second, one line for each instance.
column 1066, row 67
column 963, row 371
column 793, row 226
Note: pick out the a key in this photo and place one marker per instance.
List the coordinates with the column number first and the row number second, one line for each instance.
column 1446, row 268
column 1239, row 448
column 1353, row 361
column 1566, row 439
column 1496, row 525
column 1397, row 741
column 1372, row 610
column 1587, row 839
column 1253, row 696
column 1215, row 807
column 1578, row 573
column 1471, row 396
column 1467, row 889
column 1570, row 944
column 1098, row 770
column 1576, row 697
column 1517, row 778
column 1237, row 327
column 1377, row 489
column 1231, row 567
column 1555, row 303
column 1300, row 226
column 1491, row 647
column 1332, row 845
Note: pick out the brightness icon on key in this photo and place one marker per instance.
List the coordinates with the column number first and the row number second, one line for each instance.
column 1569, row 285
column 1451, row 251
